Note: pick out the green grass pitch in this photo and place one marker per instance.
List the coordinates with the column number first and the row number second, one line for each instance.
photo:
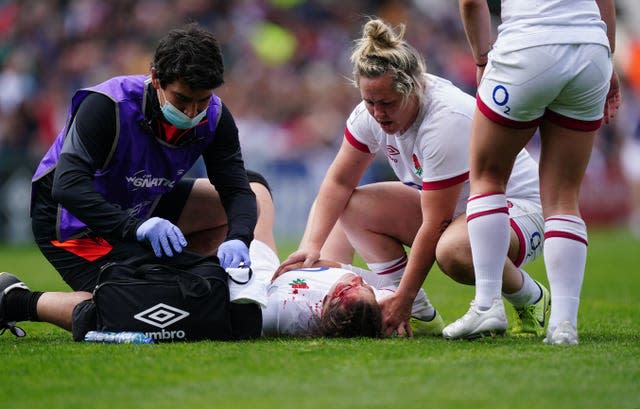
column 48, row 370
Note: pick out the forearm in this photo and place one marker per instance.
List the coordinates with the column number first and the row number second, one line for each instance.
column 226, row 171
column 242, row 215
column 334, row 194
column 238, row 200
column 608, row 15
column 421, row 259
column 323, row 215
column 73, row 188
column 477, row 26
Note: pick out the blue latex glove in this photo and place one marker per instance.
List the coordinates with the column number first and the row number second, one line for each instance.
column 162, row 235
column 232, row 253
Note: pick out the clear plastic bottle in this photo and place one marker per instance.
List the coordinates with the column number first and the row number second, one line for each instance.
column 125, row 337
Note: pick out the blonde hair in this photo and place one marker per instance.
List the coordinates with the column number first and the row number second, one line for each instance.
column 381, row 49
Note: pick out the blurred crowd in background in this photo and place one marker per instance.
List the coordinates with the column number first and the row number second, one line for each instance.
column 287, row 83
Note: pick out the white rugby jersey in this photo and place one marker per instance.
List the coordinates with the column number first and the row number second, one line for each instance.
column 527, row 23
column 295, row 300
column 434, row 152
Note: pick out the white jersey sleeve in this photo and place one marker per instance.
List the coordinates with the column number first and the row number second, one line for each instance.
column 362, row 131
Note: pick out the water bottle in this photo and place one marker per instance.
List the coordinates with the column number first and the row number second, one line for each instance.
column 125, row 337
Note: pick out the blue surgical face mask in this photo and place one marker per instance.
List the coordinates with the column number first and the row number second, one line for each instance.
column 178, row 118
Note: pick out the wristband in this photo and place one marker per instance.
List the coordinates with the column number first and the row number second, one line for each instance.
column 481, row 65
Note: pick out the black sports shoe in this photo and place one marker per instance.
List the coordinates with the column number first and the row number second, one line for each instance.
column 9, row 282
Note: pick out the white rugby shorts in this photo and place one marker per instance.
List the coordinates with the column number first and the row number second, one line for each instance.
column 527, row 221
column 565, row 83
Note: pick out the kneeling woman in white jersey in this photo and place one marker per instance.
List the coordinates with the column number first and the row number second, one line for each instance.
column 422, row 123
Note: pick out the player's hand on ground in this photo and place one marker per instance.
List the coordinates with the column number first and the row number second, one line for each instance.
column 164, row 236
column 404, row 330
column 396, row 312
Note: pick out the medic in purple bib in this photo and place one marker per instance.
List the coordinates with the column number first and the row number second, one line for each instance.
column 112, row 184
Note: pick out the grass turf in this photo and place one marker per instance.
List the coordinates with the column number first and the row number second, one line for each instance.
column 48, row 370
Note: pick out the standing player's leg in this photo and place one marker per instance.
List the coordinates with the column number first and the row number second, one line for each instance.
column 563, row 161
column 567, row 137
column 493, row 148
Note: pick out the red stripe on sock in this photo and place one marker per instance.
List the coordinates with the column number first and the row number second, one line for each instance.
column 564, row 235
column 487, row 212
column 561, row 219
column 399, row 265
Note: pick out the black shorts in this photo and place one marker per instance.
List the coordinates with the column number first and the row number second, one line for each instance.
column 81, row 274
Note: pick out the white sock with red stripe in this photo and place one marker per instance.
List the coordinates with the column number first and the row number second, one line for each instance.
column 489, row 234
column 565, row 257
column 529, row 293
column 422, row 308
column 389, row 272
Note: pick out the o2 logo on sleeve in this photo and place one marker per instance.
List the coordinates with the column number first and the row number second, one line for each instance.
column 500, row 97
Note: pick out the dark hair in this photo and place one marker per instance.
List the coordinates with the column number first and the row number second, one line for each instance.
column 191, row 54
column 359, row 319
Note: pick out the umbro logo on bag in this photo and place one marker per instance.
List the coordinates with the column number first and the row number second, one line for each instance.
column 161, row 315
